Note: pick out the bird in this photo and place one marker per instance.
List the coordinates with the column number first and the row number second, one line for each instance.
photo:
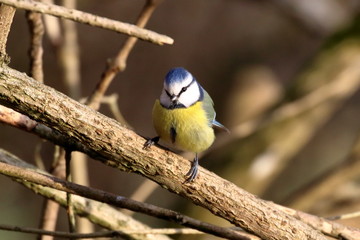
column 184, row 116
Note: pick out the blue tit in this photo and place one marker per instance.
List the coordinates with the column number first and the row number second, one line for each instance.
column 184, row 116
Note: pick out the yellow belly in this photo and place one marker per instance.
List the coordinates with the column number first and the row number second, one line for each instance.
column 193, row 132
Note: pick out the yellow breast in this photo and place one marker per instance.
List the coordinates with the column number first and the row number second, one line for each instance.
column 191, row 126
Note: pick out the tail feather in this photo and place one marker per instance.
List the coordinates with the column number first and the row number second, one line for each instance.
column 220, row 126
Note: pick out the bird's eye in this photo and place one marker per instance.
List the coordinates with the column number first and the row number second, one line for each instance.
column 183, row 89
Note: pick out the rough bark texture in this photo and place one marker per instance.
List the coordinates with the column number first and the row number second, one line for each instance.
column 104, row 139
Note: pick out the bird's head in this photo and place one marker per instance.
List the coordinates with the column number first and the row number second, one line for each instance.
column 180, row 90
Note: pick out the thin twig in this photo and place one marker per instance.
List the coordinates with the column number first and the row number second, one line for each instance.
column 142, row 193
column 36, row 50
column 52, row 27
column 90, row 19
column 69, row 56
column 345, row 216
column 6, row 18
column 119, row 63
column 70, row 210
column 113, row 234
column 111, row 101
column 63, row 234
column 118, row 201
column 49, row 215
column 37, row 155
column 15, row 119
column 50, row 208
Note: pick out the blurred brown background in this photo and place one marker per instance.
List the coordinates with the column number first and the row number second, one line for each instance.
column 253, row 57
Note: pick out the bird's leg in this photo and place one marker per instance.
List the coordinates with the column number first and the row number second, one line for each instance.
column 151, row 142
column 191, row 175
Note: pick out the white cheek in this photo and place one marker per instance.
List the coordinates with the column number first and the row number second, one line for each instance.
column 190, row 96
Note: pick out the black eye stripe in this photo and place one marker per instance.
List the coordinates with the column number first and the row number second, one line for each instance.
column 181, row 91
column 167, row 93
column 186, row 87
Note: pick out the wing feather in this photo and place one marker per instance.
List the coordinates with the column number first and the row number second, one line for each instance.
column 208, row 106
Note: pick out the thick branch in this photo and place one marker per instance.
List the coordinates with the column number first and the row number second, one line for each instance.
column 105, row 139
column 90, row 19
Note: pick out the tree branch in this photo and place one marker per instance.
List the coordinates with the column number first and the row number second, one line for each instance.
column 118, row 201
column 15, row 119
column 6, row 18
column 90, row 19
column 104, row 139
column 36, row 28
column 327, row 227
column 102, row 234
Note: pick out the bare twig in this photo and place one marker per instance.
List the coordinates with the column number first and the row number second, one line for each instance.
column 49, row 215
column 36, row 50
column 50, row 208
column 102, row 234
column 69, row 55
column 345, row 216
column 37, row 155
column 6, row 18
column 70, row 210
column 119, row 63
column 111, row 101
column 90, row 19
column 58, row 234
column 142, row 192
column 118, row 201
column 146, row 13
column 52, row 26
column 15, row 119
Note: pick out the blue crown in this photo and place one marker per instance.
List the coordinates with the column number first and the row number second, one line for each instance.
column 176, row 75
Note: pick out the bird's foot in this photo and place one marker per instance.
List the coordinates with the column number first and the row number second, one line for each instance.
column 151, row 142
column 191, row 175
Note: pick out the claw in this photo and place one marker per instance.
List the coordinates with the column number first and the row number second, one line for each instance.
column 151, row 142
column 191, row 175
